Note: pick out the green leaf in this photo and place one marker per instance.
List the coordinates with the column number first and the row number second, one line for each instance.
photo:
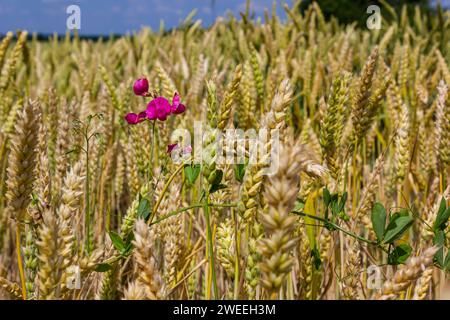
column 191, row 172
column 442, row 216
column 401, row 213
column 396, row 228
column 344, row 216
column 317, row 262
column 239, row 172
column 326, row 197
column 217, row 187
column 334, row 198
column 399, row 254
column 103, row 267
column 378, row 220
column 117, row 241
column 216, row 183
column 144, row 210
column 299, row 205
column 127, row 250
column 439, row 240
column 342, row 203
column 334, row 205
column 129, row 239
column 218, row 175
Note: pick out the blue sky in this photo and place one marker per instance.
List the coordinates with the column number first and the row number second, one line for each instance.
column 116, row 16
column 120, row 16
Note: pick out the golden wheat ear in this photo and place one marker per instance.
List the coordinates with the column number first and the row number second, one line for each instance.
column 280, row 192
column 413, row 269
column 149, row 274
column 22, row 161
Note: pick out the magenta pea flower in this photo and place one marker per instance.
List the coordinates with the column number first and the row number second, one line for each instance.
column 159, row 108
column 140, row 87
column 177, row 107
column 172, row 147
column 133, row 118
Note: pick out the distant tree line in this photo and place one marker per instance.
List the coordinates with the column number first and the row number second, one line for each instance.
column 349, row 11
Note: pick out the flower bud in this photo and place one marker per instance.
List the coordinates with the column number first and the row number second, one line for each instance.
column 140, row 87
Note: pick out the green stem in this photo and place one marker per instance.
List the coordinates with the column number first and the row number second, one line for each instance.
column 210, row 244
column 236, row 258
column 302, row 214
column 152, row 148
column 87, row 199
column 20, row 263
column 164, row 190
column 157, row 180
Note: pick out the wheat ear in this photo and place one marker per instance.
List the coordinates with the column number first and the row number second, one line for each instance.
column 149, row 274
column 413, row 269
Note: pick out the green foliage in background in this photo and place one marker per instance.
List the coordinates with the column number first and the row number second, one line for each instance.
column 349, row 11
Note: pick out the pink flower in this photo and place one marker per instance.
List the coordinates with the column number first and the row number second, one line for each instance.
column 140, row 87
column 187, row 150
column 172, row 147
column 133, row 118
column 177, row 107
column 158, row 108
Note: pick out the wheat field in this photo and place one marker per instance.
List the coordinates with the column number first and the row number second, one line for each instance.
column 95, row 205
